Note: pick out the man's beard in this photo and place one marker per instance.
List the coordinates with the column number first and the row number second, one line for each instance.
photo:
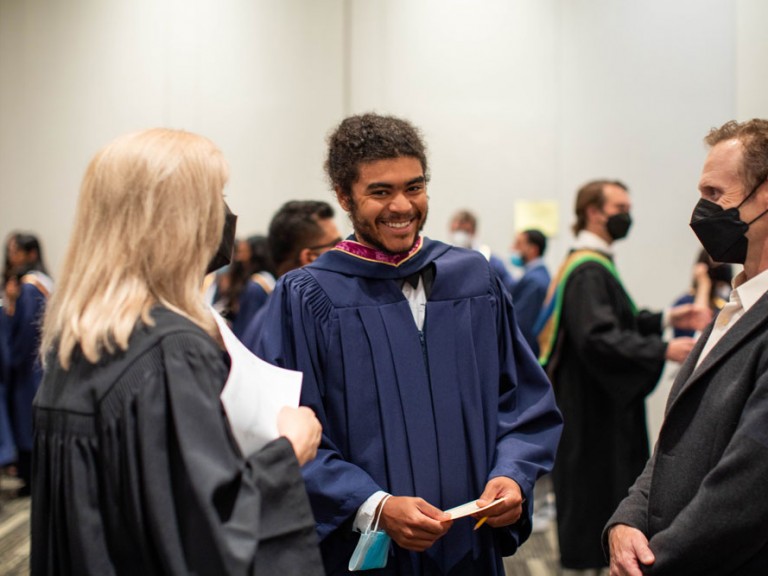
column 362, row 234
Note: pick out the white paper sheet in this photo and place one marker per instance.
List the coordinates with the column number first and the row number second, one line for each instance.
column 470, row 508
column 254, row 393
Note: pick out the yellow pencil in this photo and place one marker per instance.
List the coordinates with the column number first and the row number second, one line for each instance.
column 480, row 522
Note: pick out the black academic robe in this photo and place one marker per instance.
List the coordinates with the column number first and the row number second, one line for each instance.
column 433, row 413
column 607, row 359
column 135, row 470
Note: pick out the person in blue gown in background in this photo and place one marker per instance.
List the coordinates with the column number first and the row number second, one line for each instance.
column 27, row 287
column 428, row 395
column 7, row 444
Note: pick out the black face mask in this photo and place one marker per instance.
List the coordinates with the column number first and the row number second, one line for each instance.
column 721, row 232
column 618, row 225
column 223, row 254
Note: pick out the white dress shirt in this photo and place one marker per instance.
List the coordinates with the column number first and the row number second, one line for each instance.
column 743, row 296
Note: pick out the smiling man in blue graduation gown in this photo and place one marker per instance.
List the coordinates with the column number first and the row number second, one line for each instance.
column 414, row 364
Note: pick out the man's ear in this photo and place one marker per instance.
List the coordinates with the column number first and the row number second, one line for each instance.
column 306, row 256
column 593, row 213
column 342, row 198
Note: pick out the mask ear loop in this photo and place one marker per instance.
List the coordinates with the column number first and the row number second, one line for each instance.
column 756, row 219
column 379, row 511
column 747, row 197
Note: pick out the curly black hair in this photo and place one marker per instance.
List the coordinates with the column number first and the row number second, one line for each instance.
column 367, row 138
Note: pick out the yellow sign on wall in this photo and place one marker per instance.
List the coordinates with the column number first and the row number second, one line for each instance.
column 542, row 215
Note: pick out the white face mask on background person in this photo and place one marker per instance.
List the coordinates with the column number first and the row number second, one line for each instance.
column 461, row 238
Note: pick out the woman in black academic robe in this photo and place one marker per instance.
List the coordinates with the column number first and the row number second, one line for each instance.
column 135, row 470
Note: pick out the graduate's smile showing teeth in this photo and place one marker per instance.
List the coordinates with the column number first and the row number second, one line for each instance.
column 398, row 225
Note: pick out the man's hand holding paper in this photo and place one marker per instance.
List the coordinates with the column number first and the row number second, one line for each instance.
column 413, row 522
column 416, row 525
column 507, row 512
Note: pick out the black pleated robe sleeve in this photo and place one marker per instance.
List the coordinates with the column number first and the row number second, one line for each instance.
column 136, row 471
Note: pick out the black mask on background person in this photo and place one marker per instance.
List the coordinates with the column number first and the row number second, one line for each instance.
column 721, row 232
column 618, row 225
column 223, row 255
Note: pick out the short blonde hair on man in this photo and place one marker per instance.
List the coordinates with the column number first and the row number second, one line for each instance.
column 149, row 218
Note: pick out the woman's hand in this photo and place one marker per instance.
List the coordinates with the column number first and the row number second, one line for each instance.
column 303, row 430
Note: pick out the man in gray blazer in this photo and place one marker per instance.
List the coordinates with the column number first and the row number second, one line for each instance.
column 701, row 504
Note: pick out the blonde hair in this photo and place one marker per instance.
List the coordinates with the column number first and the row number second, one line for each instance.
column 149, row 218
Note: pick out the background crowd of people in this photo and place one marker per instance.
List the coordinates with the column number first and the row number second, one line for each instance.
column 419, row 359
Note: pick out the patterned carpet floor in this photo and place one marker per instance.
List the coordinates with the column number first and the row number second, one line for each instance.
column 14, row 529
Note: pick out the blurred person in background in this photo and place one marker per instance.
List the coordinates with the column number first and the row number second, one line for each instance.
column 711, row 287
column 240, row 289
column 259, row 262
column 27, row 288
column 530, row 291
column 463, row 229
column 135, row 466
column 299, row 233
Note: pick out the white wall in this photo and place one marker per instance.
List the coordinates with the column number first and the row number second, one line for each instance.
column 527, row 100
column 751, row 56
column 518, row 99
column 522, row 99
column 262, row 79
column 480, row 79
column 642, row 84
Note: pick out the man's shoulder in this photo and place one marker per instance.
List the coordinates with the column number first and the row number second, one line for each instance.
column 467, row 257
column 538, row 272
column 537, row 277
column 580, row 262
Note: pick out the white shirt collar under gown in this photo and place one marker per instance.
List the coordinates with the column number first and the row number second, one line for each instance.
column 586, row 240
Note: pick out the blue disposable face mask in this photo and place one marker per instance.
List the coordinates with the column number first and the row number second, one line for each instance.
column 372, row 550
column 516, row 260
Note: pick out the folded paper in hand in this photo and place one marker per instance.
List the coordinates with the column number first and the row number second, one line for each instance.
column 254, row 393
column 470, row 508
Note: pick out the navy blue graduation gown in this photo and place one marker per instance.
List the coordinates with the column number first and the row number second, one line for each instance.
column 21, row 339
column 252, row 299
column 7, row 444
column 433, row 414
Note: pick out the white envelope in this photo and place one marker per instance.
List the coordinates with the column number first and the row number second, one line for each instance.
column 254, row 393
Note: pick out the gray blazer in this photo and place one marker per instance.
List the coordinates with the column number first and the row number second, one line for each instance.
column 702, row 499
